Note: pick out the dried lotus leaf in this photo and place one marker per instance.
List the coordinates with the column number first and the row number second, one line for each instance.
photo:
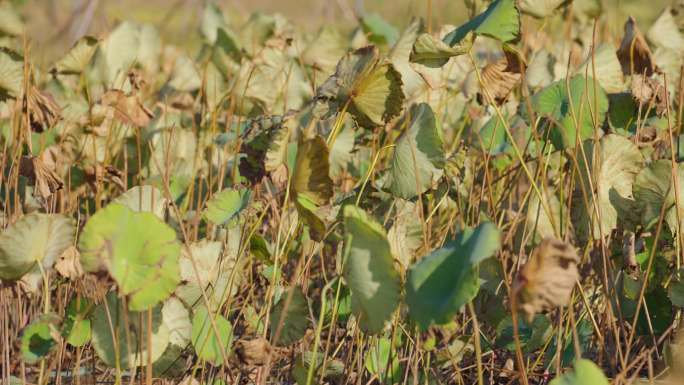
column 649, row 93
column 45, row 181
column 42, row 110
column 69, row 263
column 547, row 279
column 501, row 77
column 255, row 352
column 128, row 109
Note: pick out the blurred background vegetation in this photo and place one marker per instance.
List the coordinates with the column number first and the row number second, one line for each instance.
column 53, row 25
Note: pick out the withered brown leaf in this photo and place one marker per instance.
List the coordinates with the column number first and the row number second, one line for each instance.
column 547, row 279
column 253, row 352
column 634, row 54
column 42, row 109
column 501, row 77
column 45, row 180
column 649, row 93
column 68, row 264
column 96, row 174
column 128, row 109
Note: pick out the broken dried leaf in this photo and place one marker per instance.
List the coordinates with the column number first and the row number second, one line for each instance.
column 42, row 109
column 98, row 173
column 254, row 352
column 649, row 93
column 128, row 109
column 45, row 181
column 547, row 279
column 69, row 264
column 501, row 77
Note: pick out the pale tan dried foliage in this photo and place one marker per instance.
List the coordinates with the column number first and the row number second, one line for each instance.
column 634, row 54
column 128, row 109
column 68, row 264
column 42, row 109
column 136, row 79
column 649, row 93
column 44, row 180
column 501, row 77
column 547, row 279
column 97, row 174
column 254, row 352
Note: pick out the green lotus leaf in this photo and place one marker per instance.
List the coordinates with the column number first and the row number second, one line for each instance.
column 664, row 33
column 676, row 291
column 219, row 274
column 622, row 114
column 585, row 372
column 115, row 327
column 561, row 103
column 34, row 238
column 293, row 319
column 272, row 82
column 185, row 76
column 400, row 55
column 653, row 188
column 39, row 338
column 587, row 10
column 442, row 282
column 334, row 368
column 540, row 69
column 215, row 87
column 137, row 249
column 311, row 173
column 267, row 150
column 226, row 204
column 533, row 335
column 176, row 318
column 171, row 364
column 610, row 168
column 211, row 343
column 370, row 88
column 369, row 270
column 311, row 185
column 120, row 51
column 538, row 219
column 406, row 234
column 604, row 66
column 149, row 49
column 311, row 215
column 491, row 136
column 259, row 28
column 326, row 48
column 10, row 21
column 377, row 361
column 540, row 8
column 144, row 199
column 432, row 52
column 128, row 45
column 379, row 31
column 77, row 325
column 501, row 21
column 342, row 150
column 11, row 74
column 227, row 51
column 78, row 57
column 213, row 19
column 419, row 156
column 173, row 153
